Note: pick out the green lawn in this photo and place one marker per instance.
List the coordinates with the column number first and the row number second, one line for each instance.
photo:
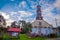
column 23, row 37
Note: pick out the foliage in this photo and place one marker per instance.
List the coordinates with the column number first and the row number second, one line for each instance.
column 2, row 29
column 21, row 37
column 52, row 36
column 27, row 27
column 13, row 24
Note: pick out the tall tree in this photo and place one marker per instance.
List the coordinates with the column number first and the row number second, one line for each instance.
column 21, row 23
column 27, row 27
column 2, row 21
column 13, row 24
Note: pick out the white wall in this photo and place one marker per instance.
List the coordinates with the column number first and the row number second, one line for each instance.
column 44, row 31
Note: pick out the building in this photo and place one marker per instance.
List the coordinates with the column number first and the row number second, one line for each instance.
column 14, row 31
column 40, row 26
column 58, row 30
column 2, row 21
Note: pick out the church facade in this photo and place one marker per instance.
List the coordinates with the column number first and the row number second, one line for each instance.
column 40, row 26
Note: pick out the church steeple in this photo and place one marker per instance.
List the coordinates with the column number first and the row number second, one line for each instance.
column 39, row 15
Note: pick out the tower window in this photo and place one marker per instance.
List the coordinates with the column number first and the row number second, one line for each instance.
column 40, row 23
column 0, row 20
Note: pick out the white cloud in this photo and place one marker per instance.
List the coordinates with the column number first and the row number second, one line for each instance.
column 13, row 13
column 25, row 14
column 23, row 4
column 4, row 14
column 9, row 21
column 57, row 3
column 19, row 18
column 30, row 20
column 49, row 16
column 33, row 4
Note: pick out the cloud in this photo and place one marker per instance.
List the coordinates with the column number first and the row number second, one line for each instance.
column 25, row 13
column 49, row 16
column 13, row 13
column 7, row 17
column 4, row 14
column 9, row 21
column 33, row 4
column 30, row 20
column 46, row 11
column 57, row 3
column 23, row 4
column 19, row 18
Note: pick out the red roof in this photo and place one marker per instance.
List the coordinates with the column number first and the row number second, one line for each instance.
column 14, row 30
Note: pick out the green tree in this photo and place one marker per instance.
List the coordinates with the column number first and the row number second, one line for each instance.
column 27, row 27
column 13, row 24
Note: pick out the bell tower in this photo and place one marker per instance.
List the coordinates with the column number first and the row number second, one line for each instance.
column 39, row 14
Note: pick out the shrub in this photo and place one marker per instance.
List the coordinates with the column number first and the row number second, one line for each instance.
column 52, row 36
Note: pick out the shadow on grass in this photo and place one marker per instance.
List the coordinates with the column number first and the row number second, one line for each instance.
column 9, row 39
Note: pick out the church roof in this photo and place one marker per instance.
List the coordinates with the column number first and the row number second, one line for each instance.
column 44, row 23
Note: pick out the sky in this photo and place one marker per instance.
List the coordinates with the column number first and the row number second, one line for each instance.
column 14, row 10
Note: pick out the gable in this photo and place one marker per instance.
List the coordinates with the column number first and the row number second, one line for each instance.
column 42, row 23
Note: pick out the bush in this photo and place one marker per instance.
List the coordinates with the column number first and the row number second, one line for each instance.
column 52, row 36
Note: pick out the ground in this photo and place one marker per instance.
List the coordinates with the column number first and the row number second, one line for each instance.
column 25, row 37
column 22, row 37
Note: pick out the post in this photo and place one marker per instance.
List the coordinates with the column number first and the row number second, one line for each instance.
column 56, row 22
column 56, row 25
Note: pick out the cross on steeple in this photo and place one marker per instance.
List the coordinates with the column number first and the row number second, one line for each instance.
column 39, row 15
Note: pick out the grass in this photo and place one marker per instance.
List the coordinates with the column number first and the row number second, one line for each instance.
column 22, row 37
column 25, row 37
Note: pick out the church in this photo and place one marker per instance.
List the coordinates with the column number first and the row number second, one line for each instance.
column 40, row 26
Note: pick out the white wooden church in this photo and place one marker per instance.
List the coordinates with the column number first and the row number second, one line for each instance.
column 40, row 26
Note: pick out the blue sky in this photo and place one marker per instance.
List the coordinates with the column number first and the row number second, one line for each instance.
column 14, row 10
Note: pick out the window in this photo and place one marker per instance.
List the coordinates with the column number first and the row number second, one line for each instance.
column 0, row 20
column 40, row 23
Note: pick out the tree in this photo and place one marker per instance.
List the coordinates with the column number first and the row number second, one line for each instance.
column 27, row 27
column 21, row 23
column 3, row 30
column 2, row 24
column 13, row 24
column 2, row 21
